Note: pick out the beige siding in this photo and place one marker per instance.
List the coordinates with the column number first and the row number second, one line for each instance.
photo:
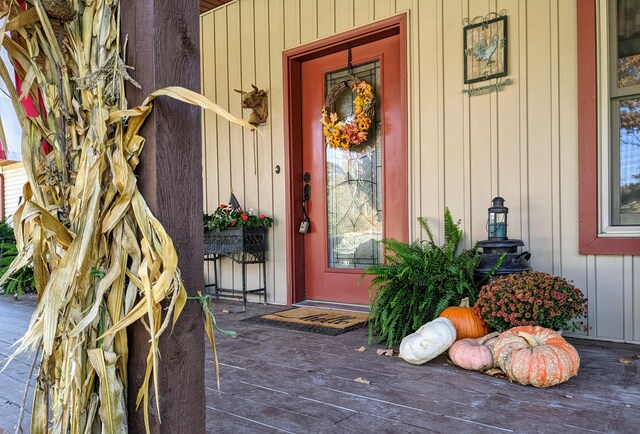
column 14, row 179
column 520, row 143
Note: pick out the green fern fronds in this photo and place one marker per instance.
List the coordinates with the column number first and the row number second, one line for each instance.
column 21, row 280
column 418, row 281
column 452, row 233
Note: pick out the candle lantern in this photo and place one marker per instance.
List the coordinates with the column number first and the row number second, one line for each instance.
column 499, row 246
column 497, row 223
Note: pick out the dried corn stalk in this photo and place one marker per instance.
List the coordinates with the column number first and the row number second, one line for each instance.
column 101, row 260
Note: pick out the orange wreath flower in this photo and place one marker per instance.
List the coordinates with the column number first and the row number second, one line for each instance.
column 342, row 134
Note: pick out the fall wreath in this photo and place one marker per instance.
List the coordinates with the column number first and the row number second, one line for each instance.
column 344, row 133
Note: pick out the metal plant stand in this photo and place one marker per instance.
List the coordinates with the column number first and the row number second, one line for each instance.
column 243, row 246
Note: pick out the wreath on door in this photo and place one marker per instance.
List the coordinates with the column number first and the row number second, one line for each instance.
column 352, row 131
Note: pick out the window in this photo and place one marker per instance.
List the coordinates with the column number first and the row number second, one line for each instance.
column 609, row 126
column 624, row 96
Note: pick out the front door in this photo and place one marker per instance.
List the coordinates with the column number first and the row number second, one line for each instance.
column 358, row 195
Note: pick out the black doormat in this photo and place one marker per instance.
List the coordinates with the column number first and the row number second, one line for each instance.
column 314, row 320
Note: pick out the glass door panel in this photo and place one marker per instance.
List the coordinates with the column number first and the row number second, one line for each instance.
column 354, row 183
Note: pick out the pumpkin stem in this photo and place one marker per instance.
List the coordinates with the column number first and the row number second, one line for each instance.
column 465, row 302
column 529, row 338
column 484, row 339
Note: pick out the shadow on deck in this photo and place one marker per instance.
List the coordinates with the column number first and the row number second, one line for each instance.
column 278, row 380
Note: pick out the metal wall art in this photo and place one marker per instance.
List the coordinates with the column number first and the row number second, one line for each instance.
column 485, row 47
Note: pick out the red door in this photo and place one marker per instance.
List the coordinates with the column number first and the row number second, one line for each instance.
column 358, row 196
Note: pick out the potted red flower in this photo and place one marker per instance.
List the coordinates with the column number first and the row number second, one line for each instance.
column 230, row 230
column 532, row 298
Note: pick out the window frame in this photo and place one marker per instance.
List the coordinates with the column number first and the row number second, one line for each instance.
column 611, row 216
column 596, row 236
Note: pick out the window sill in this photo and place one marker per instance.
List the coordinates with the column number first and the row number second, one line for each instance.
column 610, row 246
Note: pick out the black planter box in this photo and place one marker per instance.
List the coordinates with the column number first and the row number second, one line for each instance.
column 233, row 241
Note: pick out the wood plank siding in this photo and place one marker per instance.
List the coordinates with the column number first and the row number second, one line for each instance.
column 15, row 177
column 207, row 5
column 520, row 143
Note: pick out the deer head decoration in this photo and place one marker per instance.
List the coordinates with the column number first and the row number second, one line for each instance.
column 257, row 101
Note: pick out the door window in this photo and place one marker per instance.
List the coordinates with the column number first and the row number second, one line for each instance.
column 354, row 183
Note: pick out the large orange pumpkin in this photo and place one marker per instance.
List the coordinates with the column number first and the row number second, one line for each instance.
column 535, row 355
column 466, row 321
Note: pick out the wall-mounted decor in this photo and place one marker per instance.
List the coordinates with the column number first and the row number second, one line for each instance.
column 483, row 90
column 485, row 47
column 257, row 101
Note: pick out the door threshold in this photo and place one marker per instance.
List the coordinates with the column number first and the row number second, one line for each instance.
column 333, row 305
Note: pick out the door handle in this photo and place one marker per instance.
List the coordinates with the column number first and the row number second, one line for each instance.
column 306, row 195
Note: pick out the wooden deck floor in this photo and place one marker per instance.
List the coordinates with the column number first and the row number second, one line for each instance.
column 276, row 380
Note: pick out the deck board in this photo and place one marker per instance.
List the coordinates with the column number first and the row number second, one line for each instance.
column 275, row 380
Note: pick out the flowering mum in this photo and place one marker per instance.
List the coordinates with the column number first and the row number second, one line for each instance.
column 531, row 298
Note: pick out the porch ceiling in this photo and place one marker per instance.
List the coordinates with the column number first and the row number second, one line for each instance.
column 207, row 5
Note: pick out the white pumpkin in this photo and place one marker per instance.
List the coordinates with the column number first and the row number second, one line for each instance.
column 428, row 342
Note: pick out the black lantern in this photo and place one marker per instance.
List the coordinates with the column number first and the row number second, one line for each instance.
column 497, row 223
column 499, row 248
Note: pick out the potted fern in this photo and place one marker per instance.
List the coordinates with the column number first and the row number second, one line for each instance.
column 419, row 280
column 21, row 280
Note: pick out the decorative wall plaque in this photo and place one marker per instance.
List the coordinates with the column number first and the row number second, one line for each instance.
column 485, row 47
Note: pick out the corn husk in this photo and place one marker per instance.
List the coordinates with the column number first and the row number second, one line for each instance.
column 101, row 260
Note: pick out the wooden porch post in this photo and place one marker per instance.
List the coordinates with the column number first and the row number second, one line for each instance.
column 164, row 49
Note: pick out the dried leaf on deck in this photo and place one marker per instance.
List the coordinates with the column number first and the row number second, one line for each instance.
column 495, row 372
column 624, row 360
column 388, row 352
column 361, row 349
column 361, row 380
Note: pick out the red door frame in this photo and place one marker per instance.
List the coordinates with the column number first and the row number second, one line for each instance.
column 291, row 67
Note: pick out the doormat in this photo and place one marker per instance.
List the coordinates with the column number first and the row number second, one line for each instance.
column 314, row 320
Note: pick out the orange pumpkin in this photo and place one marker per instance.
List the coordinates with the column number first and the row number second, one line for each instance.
column 466, row 321
column 535, row 355
column 474, row 354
